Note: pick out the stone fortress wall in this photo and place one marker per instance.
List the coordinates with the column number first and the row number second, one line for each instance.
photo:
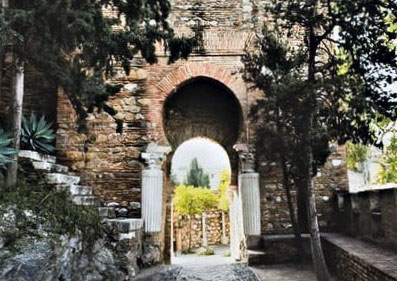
column 109, row 158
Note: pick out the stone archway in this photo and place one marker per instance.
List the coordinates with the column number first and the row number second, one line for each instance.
column 201, row 107
column 197, row 100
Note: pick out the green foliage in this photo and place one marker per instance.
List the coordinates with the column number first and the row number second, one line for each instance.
column 37, row 134
column 81, row 46
column 5, row 151
column 388, row 173
column 356, row 155
column 190, row 200
column 223, row 202
column 196, row 176
column 52, row 209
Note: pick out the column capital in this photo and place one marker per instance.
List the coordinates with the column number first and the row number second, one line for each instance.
column 155, row 155
column 246, row 155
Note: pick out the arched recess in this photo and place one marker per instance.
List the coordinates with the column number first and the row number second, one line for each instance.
column 201, row 107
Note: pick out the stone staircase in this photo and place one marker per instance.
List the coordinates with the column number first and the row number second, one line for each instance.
column 59, row 176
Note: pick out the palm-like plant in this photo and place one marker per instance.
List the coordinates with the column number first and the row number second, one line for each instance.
column 5, row 151
column 37, row 134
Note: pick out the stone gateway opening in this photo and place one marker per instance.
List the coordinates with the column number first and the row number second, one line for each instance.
column 200, row 179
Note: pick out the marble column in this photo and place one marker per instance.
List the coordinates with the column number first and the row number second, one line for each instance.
column 248, row 188
column 152, row 187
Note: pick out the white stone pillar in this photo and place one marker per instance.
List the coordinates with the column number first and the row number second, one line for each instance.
column 152, row 187
column 250, row 201
column 248, row 188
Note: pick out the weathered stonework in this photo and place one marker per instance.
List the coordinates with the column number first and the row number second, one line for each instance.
column 213, row 227
column 108, row 156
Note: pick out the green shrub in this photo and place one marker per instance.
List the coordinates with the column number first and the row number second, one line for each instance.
column 356, row 155
column 51, row 208
column 37, row 134
column 5, row 151
column 388, row 173
column 206, row 252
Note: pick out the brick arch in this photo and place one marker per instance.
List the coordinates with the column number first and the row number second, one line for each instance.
column 191, row 70
column 177, row 77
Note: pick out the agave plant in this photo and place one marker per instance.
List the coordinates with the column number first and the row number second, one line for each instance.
column 5, row 151
column 37, row 134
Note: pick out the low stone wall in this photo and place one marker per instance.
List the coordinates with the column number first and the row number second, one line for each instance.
column 370, row 215
column 213, row 227
column 351, row 259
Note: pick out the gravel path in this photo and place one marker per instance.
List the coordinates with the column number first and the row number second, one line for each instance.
column 227, row 272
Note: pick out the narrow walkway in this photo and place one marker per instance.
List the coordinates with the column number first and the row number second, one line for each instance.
column 218, row 267
column 194, row 260
column 285, row 272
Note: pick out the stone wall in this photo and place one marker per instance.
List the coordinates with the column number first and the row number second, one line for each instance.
column 370, row 215
column 274, row 209
column 350, row 259
column 213, row 229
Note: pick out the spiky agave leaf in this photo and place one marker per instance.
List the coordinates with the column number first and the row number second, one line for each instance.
column 37, row 134
column 5, row 151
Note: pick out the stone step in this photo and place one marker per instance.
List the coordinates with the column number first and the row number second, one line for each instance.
column 256, row 257
column 107, row 212
column 126, row 225
column 57, row 178
column 86, row 200
column 76, row 189
column 51, row 167
column 35, row 156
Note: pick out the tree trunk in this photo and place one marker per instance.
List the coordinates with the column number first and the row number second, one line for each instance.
column 16, row 119
column 295, row 226
column 4, row 5
column 301, row 202
column 320, row 266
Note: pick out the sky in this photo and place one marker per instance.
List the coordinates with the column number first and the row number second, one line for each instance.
column 210, row 155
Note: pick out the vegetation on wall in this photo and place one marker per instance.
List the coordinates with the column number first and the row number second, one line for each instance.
column 388, row 172
column 52, row 209
column 223, row 202
column 357, row 154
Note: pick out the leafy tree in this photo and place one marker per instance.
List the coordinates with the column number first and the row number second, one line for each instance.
column 190, row 200
column 74, row 45
column 223, row 203
column 196, row 176
column 388, row 173
column 328, row 85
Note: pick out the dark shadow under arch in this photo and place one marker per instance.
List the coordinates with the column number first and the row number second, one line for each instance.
column 202, row 107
